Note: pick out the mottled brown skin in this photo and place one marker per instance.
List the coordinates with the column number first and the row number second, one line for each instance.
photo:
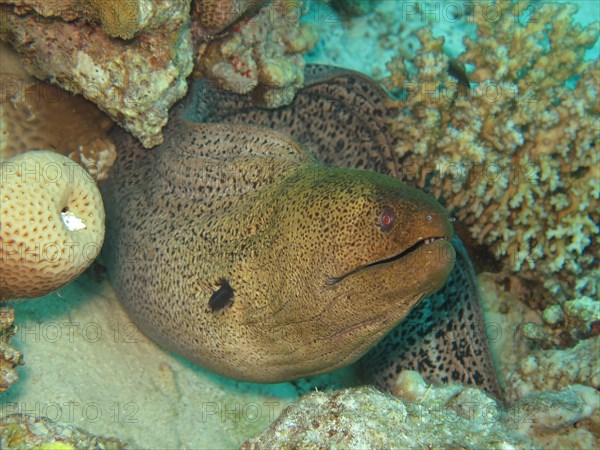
column 250, row 206
column 342, row 117
column 162, row 240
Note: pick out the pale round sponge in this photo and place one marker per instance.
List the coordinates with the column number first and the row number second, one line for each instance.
column 51, row 223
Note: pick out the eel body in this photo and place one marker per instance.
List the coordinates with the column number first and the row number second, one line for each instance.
column 267, row 245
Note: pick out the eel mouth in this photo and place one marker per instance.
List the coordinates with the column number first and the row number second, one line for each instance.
column 416, row 246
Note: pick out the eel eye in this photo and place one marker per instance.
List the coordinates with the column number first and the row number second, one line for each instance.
column 387, row 219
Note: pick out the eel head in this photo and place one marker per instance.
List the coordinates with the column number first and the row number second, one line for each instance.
column 361, row 249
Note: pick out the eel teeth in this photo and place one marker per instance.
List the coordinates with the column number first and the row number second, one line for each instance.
column 334, row 280
column 433, row 239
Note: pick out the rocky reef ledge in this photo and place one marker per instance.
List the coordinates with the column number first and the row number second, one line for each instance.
column 446, row 416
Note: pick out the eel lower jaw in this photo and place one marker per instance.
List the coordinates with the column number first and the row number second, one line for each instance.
column 417, row 245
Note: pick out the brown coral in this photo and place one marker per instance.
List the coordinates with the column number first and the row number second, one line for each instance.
column 118, row 18
column 39, row 115
column 262, row 55
column 210, row 17
column 515, row 157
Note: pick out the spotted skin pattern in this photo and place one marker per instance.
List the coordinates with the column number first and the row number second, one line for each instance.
column 340, row 117
column 230, row 245
column 442, row 338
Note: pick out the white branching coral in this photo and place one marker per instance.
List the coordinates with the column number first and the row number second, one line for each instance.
column 515, row 145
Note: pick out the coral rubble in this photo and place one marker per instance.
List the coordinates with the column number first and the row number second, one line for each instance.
column 434, row 416
column 569, row 418
column 516, row 151
column 365, row 418
column 10, row 357
column 22, row 431
column 556, row 369
column 262, row 55
column 135, row 81
column 52, row 223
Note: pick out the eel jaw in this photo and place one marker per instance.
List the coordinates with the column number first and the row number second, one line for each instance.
column 420, row 243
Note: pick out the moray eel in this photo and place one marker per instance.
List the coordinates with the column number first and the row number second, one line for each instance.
column 239, row 245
